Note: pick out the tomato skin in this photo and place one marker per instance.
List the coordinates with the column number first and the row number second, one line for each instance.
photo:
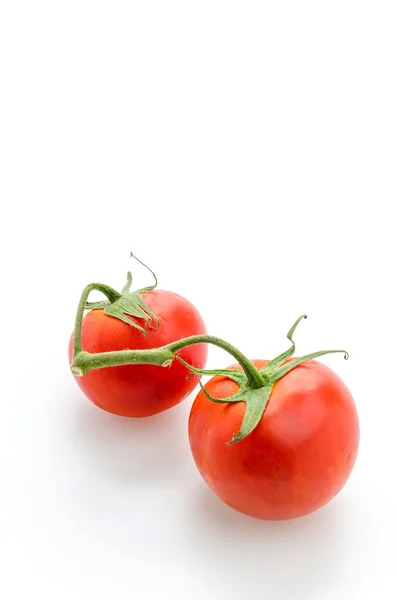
column 298, row 457
column 142, row 390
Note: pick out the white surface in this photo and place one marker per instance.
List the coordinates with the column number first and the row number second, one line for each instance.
column 247, row 152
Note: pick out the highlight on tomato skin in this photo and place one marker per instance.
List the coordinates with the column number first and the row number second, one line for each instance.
column 297, row 458
column 141, row 390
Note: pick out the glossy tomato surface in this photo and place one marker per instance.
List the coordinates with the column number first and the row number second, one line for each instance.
column 142, row 390
column 298, row 457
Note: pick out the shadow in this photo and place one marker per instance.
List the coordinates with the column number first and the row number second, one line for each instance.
column 279, row 560
column 149, row 451
column 235, row 555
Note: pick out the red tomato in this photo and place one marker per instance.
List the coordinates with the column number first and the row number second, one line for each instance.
column 297, row 458
column 142, row 390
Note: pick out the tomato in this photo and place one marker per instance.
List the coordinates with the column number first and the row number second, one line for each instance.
column 142, row 390
column 297, row 458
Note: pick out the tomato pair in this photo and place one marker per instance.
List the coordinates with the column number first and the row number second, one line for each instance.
column 273, row 439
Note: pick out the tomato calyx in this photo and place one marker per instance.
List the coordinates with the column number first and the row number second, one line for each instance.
column 129, row 306
column 256, row 398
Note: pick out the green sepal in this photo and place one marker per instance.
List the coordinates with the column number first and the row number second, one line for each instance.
column 281, row 358
column 232, row 398
column 237, row 376
column 129, row 305
column 132, row 306
column 284, row 369
column 96, row 305
column 255, row 399
column 255, row 403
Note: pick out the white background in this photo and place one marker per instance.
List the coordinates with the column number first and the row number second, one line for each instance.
column 247, row 152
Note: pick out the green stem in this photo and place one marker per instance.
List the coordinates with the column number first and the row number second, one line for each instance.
column 253, row 376
column 83, row 362
column 109, row 292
